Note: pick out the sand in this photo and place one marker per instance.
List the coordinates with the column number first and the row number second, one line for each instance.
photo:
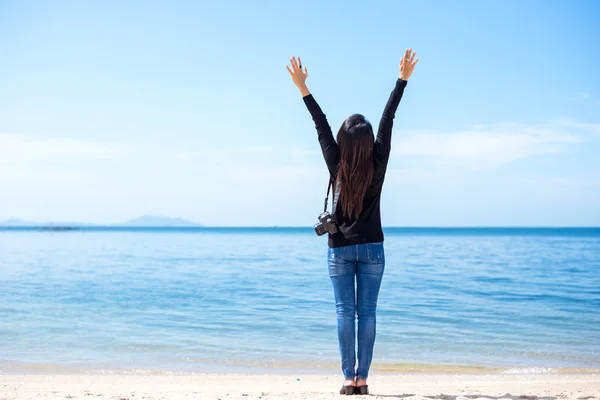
column 236, row 386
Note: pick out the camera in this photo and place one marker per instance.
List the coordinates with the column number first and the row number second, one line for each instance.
column 326, row 224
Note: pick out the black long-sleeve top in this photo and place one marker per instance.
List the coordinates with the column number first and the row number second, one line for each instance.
column 367, row 228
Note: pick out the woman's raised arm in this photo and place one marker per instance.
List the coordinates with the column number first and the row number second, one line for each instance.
column 329, row 146
column 383, row 142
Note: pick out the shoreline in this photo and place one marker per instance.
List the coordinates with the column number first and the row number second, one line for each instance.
column 278, row 387
column 318, row 369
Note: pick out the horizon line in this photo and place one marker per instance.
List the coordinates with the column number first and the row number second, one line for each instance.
column 199, row 226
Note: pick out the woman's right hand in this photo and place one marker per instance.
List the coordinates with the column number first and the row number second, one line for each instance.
column 298, row 75
column 407, row 64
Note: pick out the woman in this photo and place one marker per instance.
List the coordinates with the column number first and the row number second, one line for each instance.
column 357, row 163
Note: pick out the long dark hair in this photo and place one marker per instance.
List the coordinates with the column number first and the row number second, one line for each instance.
column 355, row 172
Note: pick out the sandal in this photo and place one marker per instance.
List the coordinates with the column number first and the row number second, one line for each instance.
column 364, row 389
column 347, row 390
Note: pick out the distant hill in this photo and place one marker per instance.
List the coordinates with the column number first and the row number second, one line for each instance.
column 154, row 221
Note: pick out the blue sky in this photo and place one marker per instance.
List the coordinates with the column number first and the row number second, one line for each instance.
column 110, row 109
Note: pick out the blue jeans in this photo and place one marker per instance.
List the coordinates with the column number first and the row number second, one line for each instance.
column 366, row 262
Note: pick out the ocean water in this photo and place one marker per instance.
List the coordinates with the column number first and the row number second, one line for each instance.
column 216, row 299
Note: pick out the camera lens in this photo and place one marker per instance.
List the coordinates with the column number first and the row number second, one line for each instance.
column 320, row 229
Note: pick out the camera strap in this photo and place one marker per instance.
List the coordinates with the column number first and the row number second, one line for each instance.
column 330, row 186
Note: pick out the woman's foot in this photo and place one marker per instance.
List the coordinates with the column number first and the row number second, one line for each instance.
column 349, row 387
column 361, row 386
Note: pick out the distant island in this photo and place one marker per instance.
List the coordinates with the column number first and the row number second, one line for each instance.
column 146, row 221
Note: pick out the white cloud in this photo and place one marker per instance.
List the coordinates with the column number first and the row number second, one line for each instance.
column 226, row 154
column 219, row 154
column 475, row 148
column 71, row 172
column 30, row 177
column 482, row 147
column 281, row 174
column 421, row 174
column 20, row 148
column 580, row 127
column 298, row 153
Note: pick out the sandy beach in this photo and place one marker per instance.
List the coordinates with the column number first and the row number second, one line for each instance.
column 237, row 386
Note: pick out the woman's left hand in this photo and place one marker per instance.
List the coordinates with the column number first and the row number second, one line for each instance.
column 407, row 64
column 298, row 74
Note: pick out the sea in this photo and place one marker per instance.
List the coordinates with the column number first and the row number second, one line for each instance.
column 260, row 299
